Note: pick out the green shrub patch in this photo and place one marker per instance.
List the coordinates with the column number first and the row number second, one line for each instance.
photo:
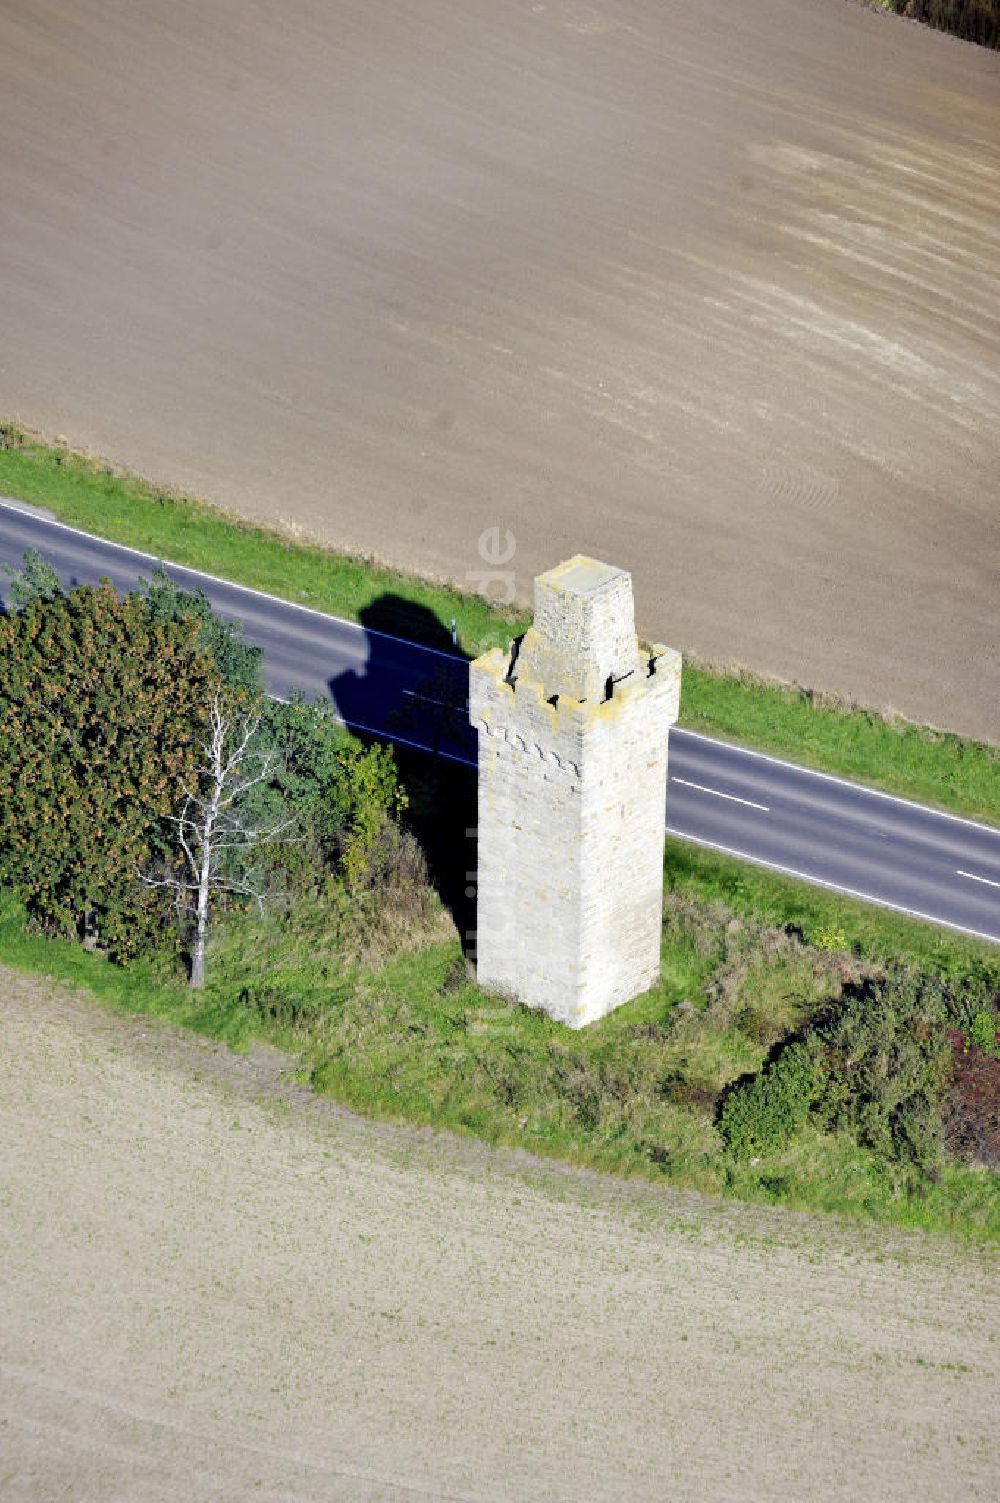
column 762, row 1115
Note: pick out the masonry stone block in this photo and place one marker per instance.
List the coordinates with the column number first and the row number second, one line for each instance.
column 573, row 725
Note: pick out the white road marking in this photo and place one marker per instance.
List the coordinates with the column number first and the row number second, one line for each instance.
column 428, row 700
column 168, row 563
column 850, row 892
column 973, row 878
column 831, row 777
column 717, row 793
column 397, row 740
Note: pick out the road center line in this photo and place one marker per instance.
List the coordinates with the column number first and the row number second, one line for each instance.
column 428, row 700
column 973, row 878
column 852, row 892
column 717, row 793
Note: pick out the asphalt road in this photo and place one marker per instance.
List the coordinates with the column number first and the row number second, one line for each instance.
column 886, row 850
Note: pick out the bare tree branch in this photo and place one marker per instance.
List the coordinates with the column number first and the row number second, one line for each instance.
column 211, row 823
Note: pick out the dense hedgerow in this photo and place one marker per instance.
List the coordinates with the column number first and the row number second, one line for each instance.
column 973, row 20
column 104, row 708
column 101, row 707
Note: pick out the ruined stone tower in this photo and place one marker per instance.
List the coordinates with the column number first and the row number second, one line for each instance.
column 572, row 799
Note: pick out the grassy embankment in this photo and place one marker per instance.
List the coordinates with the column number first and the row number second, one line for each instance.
column 934, row 767
column 398, row 1030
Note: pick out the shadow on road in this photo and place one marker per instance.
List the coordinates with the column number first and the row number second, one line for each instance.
column 419, row 699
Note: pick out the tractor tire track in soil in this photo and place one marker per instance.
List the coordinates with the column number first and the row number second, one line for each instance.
column 216, row 1286
column 711, row 292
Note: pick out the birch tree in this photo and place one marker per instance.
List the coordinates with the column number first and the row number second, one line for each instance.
column 215, row 829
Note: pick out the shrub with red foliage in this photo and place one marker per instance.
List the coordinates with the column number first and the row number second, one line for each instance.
column 971, row 1112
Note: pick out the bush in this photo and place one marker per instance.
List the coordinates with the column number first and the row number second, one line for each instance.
column 102, row 705
column 307, row 743
column 883, row 1065
column 983, row 1033
column 35, row 580
column 830, row 937
column 238, row 661
column 397, row 867
column 761, row 1115
column 971, row 991
column 366, row 796
column 344, row 798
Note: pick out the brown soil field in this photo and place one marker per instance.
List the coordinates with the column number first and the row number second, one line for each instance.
column 215, row 1286
column 710, row 291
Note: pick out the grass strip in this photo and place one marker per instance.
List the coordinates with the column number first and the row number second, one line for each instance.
column 125, row 509
column 939, row 768
column 747, row 956
column 830, row 921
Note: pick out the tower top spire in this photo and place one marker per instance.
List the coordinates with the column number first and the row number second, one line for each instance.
column 583, row 638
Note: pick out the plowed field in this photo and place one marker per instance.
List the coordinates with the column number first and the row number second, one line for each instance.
column 213, row 1286
column 712, row 292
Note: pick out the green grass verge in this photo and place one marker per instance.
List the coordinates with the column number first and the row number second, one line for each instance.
column 415, row 1040
column 125, row 509
column 950, row 771
column 829, row 920
column 933, row 767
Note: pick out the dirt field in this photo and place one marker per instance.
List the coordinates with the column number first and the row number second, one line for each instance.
column 711, row 291
column 214, row 1286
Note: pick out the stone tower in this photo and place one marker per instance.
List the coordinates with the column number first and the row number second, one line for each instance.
column 573, row 729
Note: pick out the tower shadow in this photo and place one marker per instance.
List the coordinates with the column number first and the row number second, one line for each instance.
column 410, row 685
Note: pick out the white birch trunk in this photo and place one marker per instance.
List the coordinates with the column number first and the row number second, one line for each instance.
column 210, row 826
column 211, row 812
